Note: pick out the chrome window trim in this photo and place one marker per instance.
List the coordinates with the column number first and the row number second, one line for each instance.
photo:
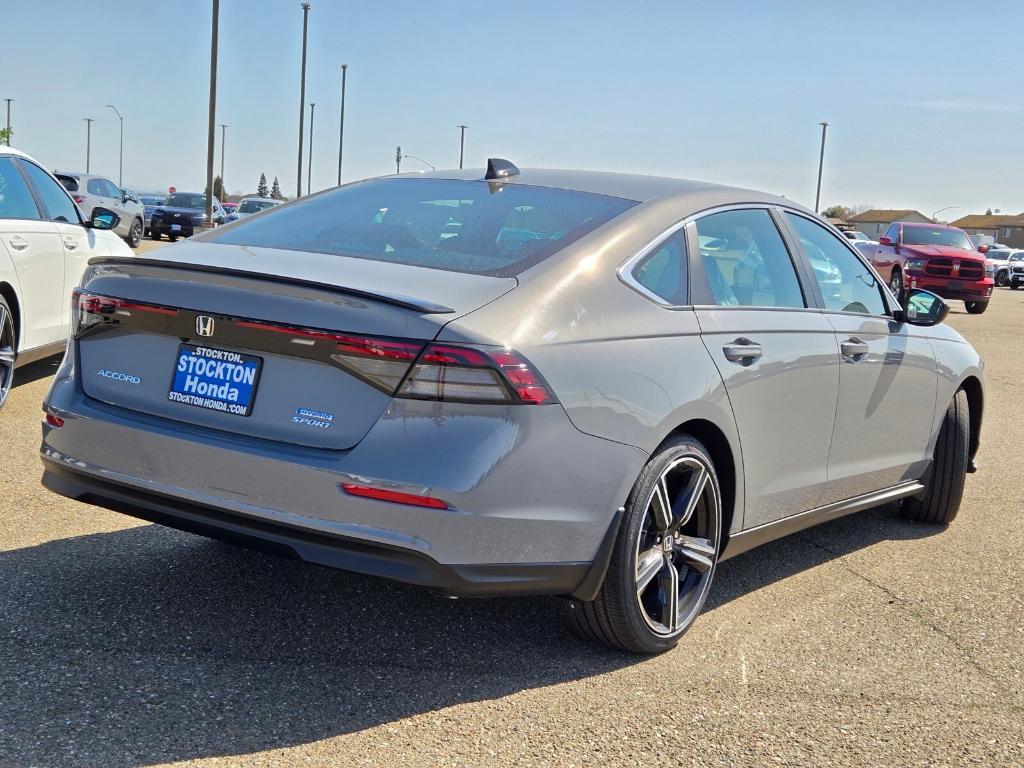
column 625, row 270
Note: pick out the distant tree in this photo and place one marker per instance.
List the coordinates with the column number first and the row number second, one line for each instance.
column 5, row 139
column 261, row 188
column 988, row 212
column 837, row 212
column 275, row 190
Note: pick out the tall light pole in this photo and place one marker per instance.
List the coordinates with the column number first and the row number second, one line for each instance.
column 947, row 208
column 211, row 127
column 8, row 121
column 302, row 96
column 309, row 173
column 821, row 165
column 341, row 126
column 120, row 166
column 88, row 141
column 462, row 143
column 413, row 157
column 398, row 159
column 223, row 186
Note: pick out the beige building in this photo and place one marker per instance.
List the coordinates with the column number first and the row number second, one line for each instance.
column 873, row 223
column 1006, row 229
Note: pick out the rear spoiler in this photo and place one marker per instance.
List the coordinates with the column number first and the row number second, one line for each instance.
column 397, row 300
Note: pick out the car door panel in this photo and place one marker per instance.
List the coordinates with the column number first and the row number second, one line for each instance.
column 784, row 402
column 886, row 403
column 38, row 256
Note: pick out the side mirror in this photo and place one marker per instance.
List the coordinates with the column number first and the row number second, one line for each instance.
column 922, row 308
column 883, row 240
column 983, row 248
column 104, row 218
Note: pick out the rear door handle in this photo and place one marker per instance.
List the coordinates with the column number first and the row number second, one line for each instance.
column 18, row 243
column 854, row 349
column 742, row 351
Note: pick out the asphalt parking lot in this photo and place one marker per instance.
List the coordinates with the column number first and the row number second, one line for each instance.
column 868, row 641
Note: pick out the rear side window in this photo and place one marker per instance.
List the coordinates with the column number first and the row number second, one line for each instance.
column 461, row 226
column 15, row 200
column 97, row 187
column 746, row 261
column 663, row 270
column 70, row 182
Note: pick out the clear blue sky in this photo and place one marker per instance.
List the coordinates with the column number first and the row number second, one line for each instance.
column 926, row 99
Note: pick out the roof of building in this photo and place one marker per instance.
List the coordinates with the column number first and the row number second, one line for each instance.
column 989, row 221
column 887, row 215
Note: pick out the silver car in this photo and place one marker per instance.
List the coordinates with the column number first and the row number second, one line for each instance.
column 91, row 191
column 540, row 382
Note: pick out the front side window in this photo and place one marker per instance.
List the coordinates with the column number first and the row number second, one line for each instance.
column 15, row 200
column 473, row 227
column 847, row 284
column 59, row 206
column 663, row 270
column 893, row 233
column 185, row 200
column 746, row 261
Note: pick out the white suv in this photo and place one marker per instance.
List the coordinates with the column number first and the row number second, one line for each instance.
column 45, row 245
column 92, row 191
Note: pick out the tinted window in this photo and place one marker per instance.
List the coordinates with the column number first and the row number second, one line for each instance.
column 15, row 200
column 254, row 206
column 936, row 236
column 663, row 271
column 746, row 261
column 70, row 182
column 59, row 206
column 893, row 233
column 96, row 187
column 462, row 226
column 846, row 283
column 185, row 200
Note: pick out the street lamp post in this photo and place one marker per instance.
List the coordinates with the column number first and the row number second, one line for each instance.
column 398, row 159
column 120, row 165
column 8, row 121
column 947, row 208
column 462, row 143
column 88, row 141
column 302, row 96
column 821, row 165
column 211, row 128
column 223, row 186
column 341, row 126
column 413, row 157
column 309, row 173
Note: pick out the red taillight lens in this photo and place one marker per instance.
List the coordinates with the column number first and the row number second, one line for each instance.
column 78, row 199
column 393, row 496
column 54, row 421
column 467, row 374
column 89, row 309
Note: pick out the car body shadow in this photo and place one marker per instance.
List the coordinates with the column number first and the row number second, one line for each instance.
column 39, row 369
column 147, row 645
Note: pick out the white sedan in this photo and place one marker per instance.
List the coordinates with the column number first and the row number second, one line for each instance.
column 45, row 245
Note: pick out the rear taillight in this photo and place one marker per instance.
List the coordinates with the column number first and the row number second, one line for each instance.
column 78, row 199
column 468, row 374
column 89, row 309
column 419, row 370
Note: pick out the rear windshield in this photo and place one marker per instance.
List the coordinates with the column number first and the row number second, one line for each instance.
column 936, row 236
column 148, row 200
column 461, row 226
column 70, row 182
column 185, row 200
column 254, row 206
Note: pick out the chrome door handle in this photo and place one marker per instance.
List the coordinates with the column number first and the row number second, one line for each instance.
column 854, row 349
column 18, row 243
column 742, row 351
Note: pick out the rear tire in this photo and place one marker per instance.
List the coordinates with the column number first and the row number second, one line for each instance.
column 8, row 350
column 153, row 234
column 1002, row 279
column 172, row 238
column 941, row 500
column 135, row 234
column 657, row 584
column 976, row 307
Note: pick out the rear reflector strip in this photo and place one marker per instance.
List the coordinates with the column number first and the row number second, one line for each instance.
column 393, row 496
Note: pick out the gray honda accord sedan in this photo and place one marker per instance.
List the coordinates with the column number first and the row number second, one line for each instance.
column 514, row 382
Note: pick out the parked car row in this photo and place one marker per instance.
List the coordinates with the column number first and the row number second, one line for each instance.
column 181, row 214
column 91, row 191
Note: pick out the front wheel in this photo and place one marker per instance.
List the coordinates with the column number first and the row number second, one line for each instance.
column 154, row 234
column 135, row 234
column 173, row 238
column 665, row 554
column 896, row 284
column 1014, row 285
column 941, row 501
column 975, row 307
column 1002, row 279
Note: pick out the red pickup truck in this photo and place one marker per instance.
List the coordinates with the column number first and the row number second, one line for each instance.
column 936, row 258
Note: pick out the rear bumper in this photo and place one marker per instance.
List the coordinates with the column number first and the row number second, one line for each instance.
column 322, row 549
column 531, row 499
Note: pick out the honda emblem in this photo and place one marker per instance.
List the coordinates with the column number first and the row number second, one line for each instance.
column 204, row 325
